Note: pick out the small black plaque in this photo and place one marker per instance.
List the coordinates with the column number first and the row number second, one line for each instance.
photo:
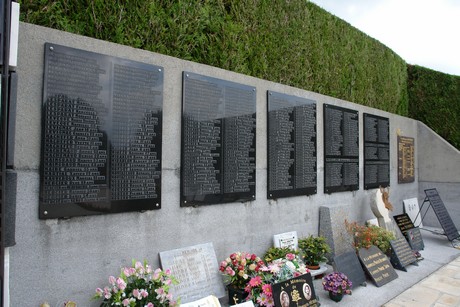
column 414, row 237
column 291, row 146
column 218, row 141
column 294, row 292
column 102, row 128
column 402, row 254
column 404, row 222
column 376, row 151
column 377, row 265
column 441, row 212
column 348, row 263
column 341, row 149
column 406, row 158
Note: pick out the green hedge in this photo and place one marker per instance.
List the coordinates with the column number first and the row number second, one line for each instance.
column 291, row 42
column 435, row 101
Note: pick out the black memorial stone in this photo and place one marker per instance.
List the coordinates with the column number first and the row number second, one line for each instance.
column 341, row 149
column 404, row 222
column 377, row 265
column 218, row 143
column 402, row 254
column 102, row 128
column 348, row 263
column 441, row 213
column 291, row 146
column 414, row 238
column 294, row 292
column 376, row 151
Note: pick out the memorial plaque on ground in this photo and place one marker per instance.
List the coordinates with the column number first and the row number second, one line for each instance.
column 291, row 146
column 406, row 164
column 404, row 222
column 341, row 149
column 415, row 240
column 294, row 292
column 197, row 270
column 348, row 263
column 441, row 213
column 377, row 265
column 413, row 210
column 402, row 254
column 218, row 159
column 101, row 134
column 376, row 151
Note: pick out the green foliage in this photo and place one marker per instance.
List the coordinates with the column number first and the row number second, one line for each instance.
column 291, row 42
column 313, row 249
column 367, row 235
column 435, row 101
column 274, row 253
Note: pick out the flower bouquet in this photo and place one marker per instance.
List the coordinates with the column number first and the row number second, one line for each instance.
column 366, row 236
column 337, row 283
column 138, row 285
column 238, row 267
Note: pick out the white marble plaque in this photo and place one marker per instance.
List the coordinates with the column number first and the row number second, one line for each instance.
column 197, row 270
column 287, row 239
column 413, row 210
column 208, row 301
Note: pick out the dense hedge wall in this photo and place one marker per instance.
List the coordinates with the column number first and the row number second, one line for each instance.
column 291, row 42
column 435, row 100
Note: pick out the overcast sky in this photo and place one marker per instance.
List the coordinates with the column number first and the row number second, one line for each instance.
column 422, row 32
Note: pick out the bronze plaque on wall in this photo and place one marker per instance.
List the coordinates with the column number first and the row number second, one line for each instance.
column 341, row 149
column 376, row 151
column 406, row 166
column 218, row 158
column 291, row 146
column 101, row 134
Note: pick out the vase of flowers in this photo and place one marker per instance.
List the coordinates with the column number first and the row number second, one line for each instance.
column 138, row 285
column 338, row 285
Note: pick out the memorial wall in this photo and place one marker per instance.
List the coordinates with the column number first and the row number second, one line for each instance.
column 123, row 154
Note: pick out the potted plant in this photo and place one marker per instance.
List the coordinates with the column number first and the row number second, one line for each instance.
column 337, row 284
column 237, row 270
column 313, row 250
column 364, row 236
column 274, row 253
column 138, row 285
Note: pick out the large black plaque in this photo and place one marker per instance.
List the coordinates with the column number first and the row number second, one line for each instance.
column 404, row 222
column 101, row 144
column 291, row 145
column 414, row 238
column 376, row 151
column 441, row 213
column 377, row 265
column 401, row 254
column 348, row 263
column 341, row 149
column 294, row 292
column 218, row 141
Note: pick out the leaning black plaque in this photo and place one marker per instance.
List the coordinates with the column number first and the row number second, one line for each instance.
column 441, row 213
column 377, row 265
column 101, row 144
column 414, row 237
column 376, row 151
column 401, row 254
column 341, row 149
column 404, row 222
column 291, row 145
column 218, row 141
column 348, row 263
column 294, row 292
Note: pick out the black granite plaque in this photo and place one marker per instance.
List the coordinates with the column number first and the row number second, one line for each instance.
column 291, row 146
column 401, row 254
column 404, row 222
column 377, row 265
column 415, row 240
column 294, row 292
column 348, row 263
column 441, row 213
column 406, row 158
column 218, row 143
column 376, row 151
column 101, row 144
column 341, row 149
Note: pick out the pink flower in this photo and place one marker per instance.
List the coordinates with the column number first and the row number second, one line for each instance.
column 136, row 294
column 121, row 284
column 255, row 281
column 150, row 304
column 230, row 271
column 290, row 256
column 144, row 293
column 168, row 272
column 125, row 302
column 112, row 280
column 107, row 293
column 99, row 292
column 267, row 290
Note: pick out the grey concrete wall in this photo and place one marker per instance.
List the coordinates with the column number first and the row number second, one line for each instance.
column 56, row 260
column 439, row 168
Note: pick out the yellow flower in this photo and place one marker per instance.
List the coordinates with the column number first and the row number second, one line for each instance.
column 252, row 266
